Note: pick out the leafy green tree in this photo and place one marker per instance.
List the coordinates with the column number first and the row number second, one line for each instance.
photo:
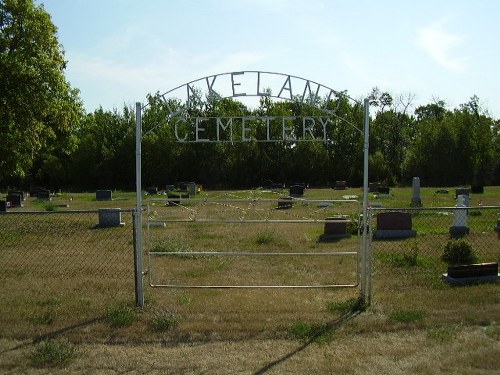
column 105, row 156
column 39, row 111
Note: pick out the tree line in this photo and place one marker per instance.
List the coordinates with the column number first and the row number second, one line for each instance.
column 48, row 140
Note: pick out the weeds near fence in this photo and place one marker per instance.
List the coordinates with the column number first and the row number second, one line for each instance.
column 52, row 353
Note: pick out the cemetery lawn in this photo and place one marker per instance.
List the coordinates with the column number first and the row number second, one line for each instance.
column 415, row 324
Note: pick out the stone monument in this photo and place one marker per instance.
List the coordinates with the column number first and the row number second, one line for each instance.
column 459, row 227
column 415, row 193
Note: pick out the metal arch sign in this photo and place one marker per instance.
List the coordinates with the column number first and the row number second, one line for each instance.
column 244, row 85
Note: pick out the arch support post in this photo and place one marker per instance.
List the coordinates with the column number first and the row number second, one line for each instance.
column 138, row 252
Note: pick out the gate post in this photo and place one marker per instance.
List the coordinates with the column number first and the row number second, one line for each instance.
column 365, row 264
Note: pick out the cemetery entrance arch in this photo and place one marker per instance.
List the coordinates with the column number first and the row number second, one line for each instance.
column 245, row 86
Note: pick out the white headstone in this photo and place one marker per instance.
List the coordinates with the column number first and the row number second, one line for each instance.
column 460, row 217
column 415, row 193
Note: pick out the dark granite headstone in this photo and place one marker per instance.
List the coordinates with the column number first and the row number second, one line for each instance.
column 297, row 190
column 3, row 206
column 373, row 187
column 104, row 195
column 152, row 191
column 383, row 190
column 285, row 202
column 14, row 200
column 394, row 225
column 477, row 189
column 335, row 228
column 110, row 217
column 340, row 185
column 169, row 187
column 21, row 193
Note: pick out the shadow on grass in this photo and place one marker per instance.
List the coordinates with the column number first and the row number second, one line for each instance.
column 55, row 334
column 357, row 309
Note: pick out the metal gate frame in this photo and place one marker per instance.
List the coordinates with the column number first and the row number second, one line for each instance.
column 165, row 222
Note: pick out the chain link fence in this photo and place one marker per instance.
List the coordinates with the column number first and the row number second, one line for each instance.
column 56, row 263
column 416, row 238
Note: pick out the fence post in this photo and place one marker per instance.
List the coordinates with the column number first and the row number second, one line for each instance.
column 365, row 248
column 138, row 262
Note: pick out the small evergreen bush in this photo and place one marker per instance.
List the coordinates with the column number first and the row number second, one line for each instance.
column 459, row 252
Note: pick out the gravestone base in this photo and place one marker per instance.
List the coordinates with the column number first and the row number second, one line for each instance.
column 458, row 232
column 388, row 234
column 110, row 217
column 470, row 280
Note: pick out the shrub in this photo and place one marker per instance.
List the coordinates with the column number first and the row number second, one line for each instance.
column 121, row 316
column 458, row 252
column 163, row 321
column 52, row 354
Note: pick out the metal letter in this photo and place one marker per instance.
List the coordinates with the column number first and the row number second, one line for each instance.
column 177, row 134
column 200, row 129
column 237, row 84
column 285, row 87
column 221, row 125
column 308, row 129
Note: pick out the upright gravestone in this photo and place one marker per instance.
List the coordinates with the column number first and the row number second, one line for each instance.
column 110, row 217
column 416, row 201
column 103, row 195
column 43, row 195
column 340, row 185
column 191, row 188
column 335, row 228
column 14, row 200
column 459, row 227
column 3, row 206
column 21, row 193
column 392, row 225
column 153, row 191
column 463, row 191
column 297, row 190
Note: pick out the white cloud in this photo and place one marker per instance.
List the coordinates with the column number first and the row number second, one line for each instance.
column 439, row 43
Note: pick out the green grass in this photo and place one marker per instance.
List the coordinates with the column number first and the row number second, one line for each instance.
column 407, row 316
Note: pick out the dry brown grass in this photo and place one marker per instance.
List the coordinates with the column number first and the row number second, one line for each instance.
column 416, row 323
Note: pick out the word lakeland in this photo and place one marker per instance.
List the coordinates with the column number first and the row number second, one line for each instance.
column 252, row 129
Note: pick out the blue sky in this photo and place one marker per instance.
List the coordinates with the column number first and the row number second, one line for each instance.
column 121, row 50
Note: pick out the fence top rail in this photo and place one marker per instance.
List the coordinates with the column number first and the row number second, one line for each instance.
column 246, row 221
column 255, row 200
column 60, row 212
column 432, row 208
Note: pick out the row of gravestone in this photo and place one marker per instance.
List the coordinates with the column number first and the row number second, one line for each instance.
column 15, row 199
column 398, row 225
column 190, row 188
